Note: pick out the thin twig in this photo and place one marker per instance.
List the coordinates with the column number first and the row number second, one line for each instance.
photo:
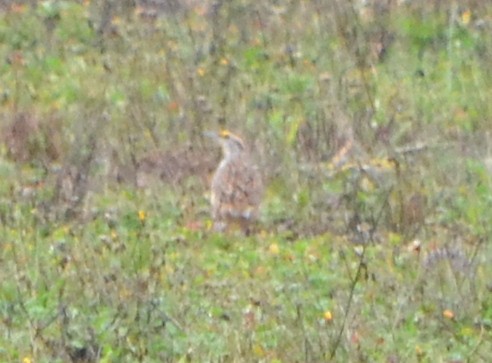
column 349, row 302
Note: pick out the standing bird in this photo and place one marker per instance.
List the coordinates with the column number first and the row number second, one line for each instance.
column 237, row 187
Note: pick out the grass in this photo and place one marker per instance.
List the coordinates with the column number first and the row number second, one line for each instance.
column 371, row 126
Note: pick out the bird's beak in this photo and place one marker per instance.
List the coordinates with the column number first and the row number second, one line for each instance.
column 211, row 134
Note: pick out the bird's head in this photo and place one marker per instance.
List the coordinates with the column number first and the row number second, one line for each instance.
column 232, row 144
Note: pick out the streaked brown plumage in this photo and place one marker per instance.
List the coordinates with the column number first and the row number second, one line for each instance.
column 236, row 189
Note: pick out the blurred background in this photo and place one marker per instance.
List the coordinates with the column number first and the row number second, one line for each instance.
column 370, row 120
column 346, row 105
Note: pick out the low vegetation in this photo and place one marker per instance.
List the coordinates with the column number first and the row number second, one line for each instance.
column 371, row 124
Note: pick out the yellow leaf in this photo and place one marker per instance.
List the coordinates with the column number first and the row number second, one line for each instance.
column 327, row 315
column 141, row 215
column 200, row 71
column 274, row 249
column 258, row 350
column 466, row 17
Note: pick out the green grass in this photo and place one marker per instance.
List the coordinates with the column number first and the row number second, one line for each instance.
column 390, row 239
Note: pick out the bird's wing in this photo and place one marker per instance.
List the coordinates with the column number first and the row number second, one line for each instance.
column 237, row 185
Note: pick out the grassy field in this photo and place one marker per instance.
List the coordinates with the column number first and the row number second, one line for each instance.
column 371, row 123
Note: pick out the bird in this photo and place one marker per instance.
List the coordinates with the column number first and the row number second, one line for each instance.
column 236, row 188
